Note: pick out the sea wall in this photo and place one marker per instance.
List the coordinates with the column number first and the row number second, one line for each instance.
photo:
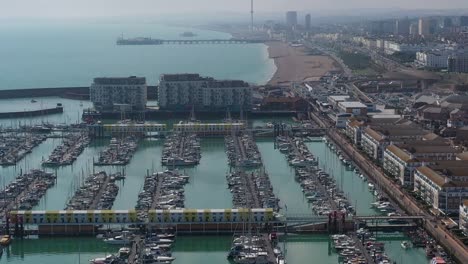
column 78, row 93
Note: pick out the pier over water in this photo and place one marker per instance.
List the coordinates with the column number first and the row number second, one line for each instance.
column 151, row 41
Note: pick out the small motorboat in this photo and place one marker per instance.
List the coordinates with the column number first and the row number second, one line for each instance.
column 110, row 259
column 33, row 101
column 124, row 252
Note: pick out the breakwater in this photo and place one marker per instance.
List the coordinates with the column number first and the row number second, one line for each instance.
column 30, row 113
column 78, row 93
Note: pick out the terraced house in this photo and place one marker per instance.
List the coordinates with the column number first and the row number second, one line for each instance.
column 400, row 160
column 375, row 139
column 443, row 185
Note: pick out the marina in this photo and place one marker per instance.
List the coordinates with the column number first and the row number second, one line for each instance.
column 14, row 147
column 280, row 174
column 242, row 151
column 119, row 152
column 181, row 150
column 26, row 191
column 98, row 191
column 65, row 154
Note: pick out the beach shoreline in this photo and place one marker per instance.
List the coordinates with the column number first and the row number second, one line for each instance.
column 294, row 64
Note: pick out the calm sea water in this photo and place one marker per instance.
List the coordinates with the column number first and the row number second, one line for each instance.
column 72, row 54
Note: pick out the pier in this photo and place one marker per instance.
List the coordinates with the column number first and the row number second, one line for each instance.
column 151, row 41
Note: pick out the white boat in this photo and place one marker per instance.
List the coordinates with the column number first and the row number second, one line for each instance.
column 106, row 260
column 253, row 258
column 405, row 244
column 124, row 252
column 118, row 240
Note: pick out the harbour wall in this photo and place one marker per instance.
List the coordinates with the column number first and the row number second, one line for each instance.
column 78, row 93
column 31, row 113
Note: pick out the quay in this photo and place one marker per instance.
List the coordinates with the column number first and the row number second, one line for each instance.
column 151, row 41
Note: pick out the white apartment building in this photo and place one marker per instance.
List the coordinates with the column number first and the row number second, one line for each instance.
column 391, row 47
column 443, row 187
column 433, row 59
column 463, row 224
column 401, row 160
column 184, row 91
column 117, row 92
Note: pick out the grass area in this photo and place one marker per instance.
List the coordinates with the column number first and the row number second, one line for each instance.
column 355, row 61
column 403, row 57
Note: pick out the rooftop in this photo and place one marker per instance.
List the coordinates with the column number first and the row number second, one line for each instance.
column 352, row 104
column 132, row 80
column 440, row 178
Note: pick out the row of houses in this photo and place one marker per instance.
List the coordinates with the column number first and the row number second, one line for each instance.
column 418, row 160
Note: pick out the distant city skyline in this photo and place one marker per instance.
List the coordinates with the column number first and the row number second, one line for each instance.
column 115, row 8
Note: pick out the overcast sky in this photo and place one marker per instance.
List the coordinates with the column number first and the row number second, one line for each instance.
column 93, row 8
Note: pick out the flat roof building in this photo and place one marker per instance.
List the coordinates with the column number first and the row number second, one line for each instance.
column 119, row 92
column 187, row 91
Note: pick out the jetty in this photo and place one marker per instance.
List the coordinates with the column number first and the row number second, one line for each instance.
column 119, row 152
column 242, row 151
column 98, row 192
column 181, row 149
column 72, row 146
column 14, row 146
column 26, row 191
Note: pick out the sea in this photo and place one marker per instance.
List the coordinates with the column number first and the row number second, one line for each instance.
column 71, row 54
column 67, row 54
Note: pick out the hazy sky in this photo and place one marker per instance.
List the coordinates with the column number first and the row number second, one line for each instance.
column 86, row 8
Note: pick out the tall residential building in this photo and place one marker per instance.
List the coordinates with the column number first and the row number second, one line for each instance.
column 308, row 22
column 413, row 30
column 464, row 21
column 458, row 62
column 424, row 26
column 402, row 27
column 119, row 92
column 184, row 91
column 291, row 18
column 448, row 22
